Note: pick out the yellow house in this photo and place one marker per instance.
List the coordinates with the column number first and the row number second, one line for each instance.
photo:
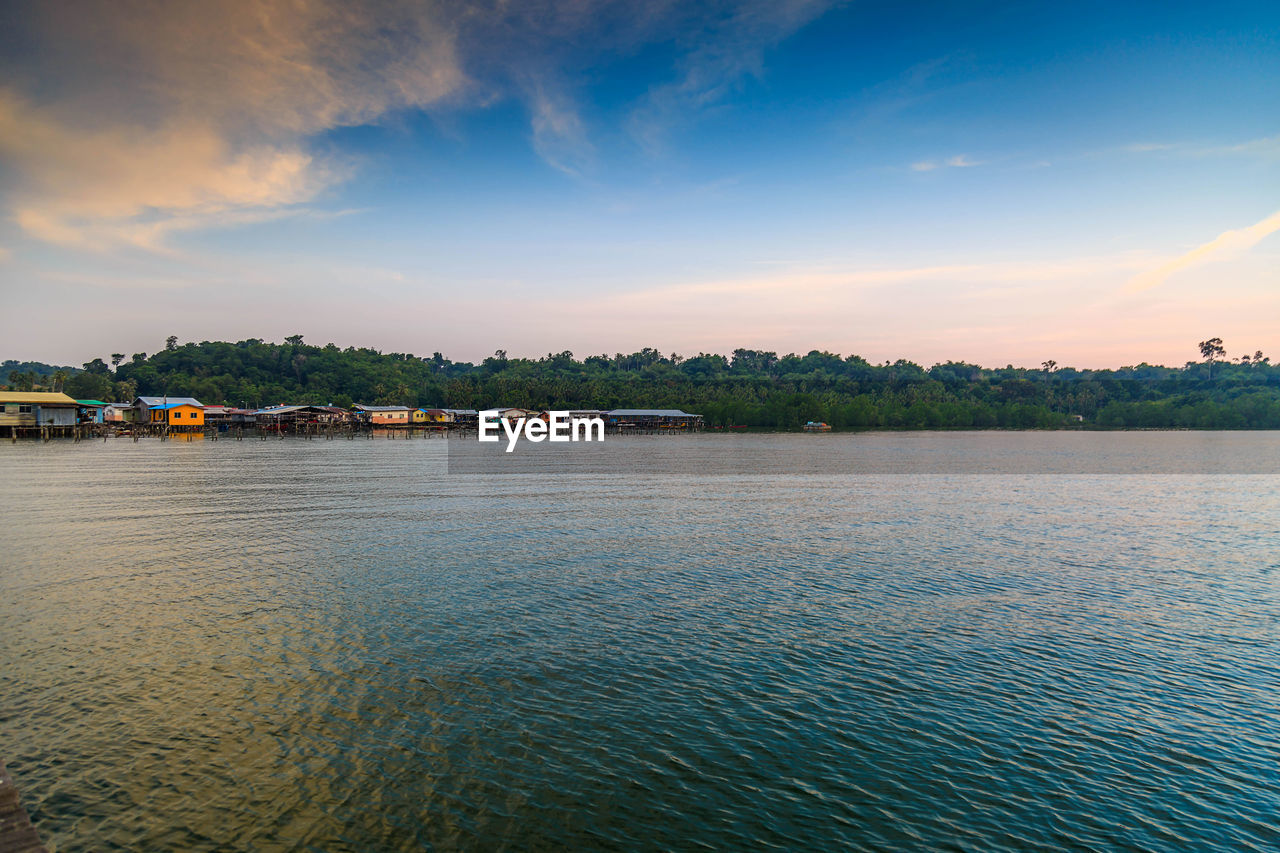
column 431, row 416
column 36, row 408
column 178, row 415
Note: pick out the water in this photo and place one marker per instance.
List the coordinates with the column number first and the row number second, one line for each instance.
column 339, row 646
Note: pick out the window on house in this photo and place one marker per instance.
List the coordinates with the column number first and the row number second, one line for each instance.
column 24, row 408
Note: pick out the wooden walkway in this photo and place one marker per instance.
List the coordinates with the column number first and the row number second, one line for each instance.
column 17, row 835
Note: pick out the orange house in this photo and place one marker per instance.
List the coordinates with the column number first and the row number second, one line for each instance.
column 178, row 415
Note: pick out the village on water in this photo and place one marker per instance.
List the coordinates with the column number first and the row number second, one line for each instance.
column 47, row 414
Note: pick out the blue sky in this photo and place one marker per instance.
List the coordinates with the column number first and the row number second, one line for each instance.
column 995, row 182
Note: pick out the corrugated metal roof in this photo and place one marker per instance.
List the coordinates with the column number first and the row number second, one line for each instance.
column 382, row 408
column 42, row 398
column 650, row 413
column 92, row 403
column 284, row 410
column 152, row 402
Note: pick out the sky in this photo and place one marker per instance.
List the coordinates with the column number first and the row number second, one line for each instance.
column 1096, row 183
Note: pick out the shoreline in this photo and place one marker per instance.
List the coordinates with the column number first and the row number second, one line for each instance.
column 97, row 432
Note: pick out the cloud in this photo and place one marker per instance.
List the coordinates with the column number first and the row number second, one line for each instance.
column 128, row 122
column 991, row 311
column 828, row 287
column 559, row 136
column 1267, row 147
column 155, row 117
column 121, row 185
column 731, row 47
column 1226, row 245
column 959, row 161
column 1264, row 147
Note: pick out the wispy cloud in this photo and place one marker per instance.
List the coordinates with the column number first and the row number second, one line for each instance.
column 1266, row 146
column 559, row 136
column 731, row 48
column 1144, row 147
column 1023, row 308
column 815, row 283
column 1226, row 245
column 959, row 161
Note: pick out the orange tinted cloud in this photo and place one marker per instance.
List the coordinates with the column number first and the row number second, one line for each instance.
column 221, row 100
column 1226, row 244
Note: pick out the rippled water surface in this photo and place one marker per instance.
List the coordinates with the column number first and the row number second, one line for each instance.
column 340, row 646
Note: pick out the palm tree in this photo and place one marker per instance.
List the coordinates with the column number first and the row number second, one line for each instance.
column 1048, row 369
column 59, row 379
column 22, row 380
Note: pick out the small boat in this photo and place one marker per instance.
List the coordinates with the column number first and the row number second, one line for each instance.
column 817, row 426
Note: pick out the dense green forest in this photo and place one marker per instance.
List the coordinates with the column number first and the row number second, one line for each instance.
column 749, row 388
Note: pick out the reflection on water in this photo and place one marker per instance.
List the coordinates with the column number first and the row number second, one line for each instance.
column 338, row 645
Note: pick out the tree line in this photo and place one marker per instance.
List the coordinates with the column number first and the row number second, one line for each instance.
column 748, row 388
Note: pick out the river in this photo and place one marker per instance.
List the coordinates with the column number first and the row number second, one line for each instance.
column 967, row 641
